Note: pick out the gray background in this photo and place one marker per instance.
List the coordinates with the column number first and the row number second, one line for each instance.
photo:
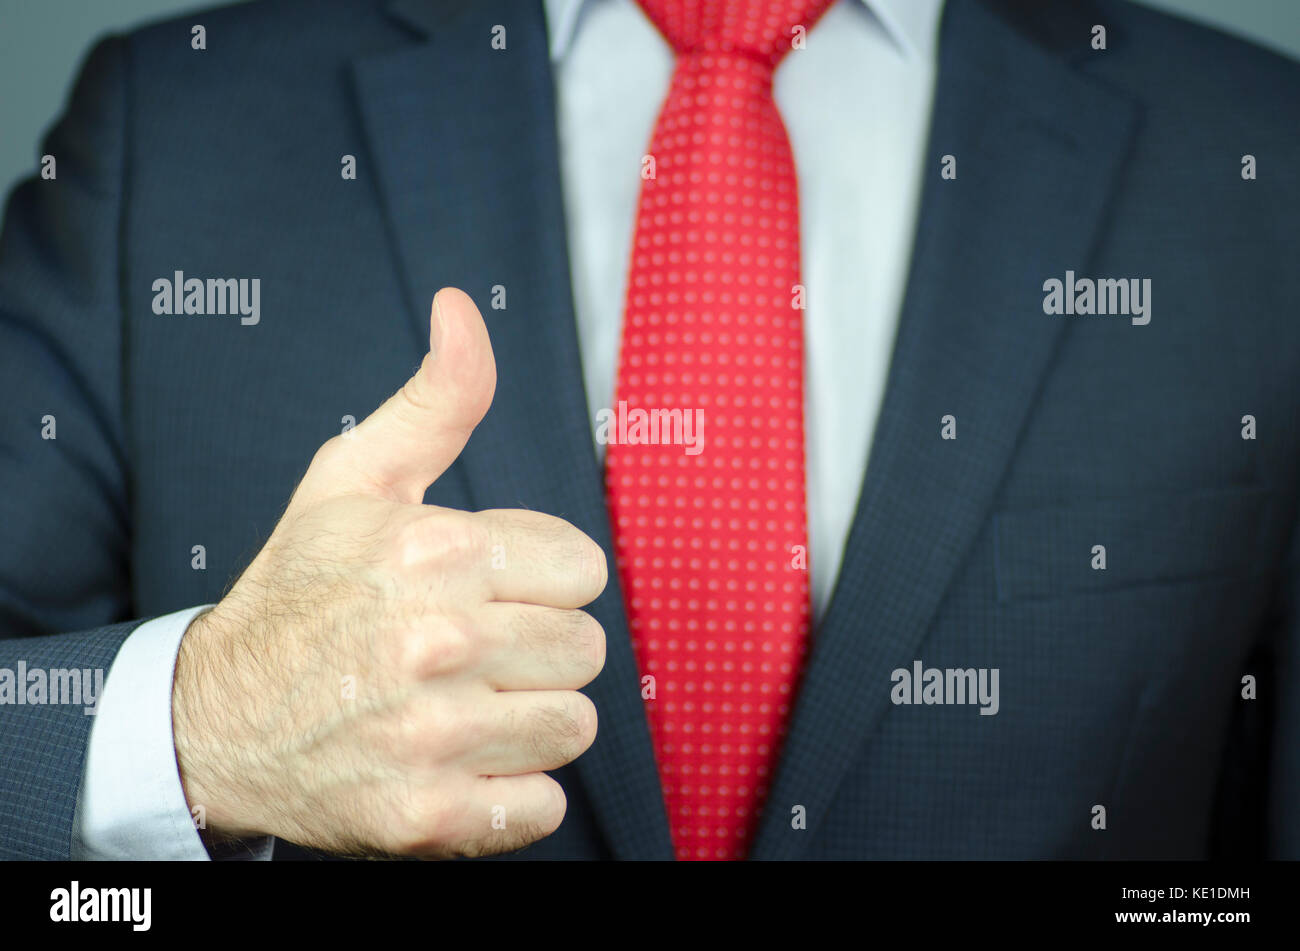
column 43, row 41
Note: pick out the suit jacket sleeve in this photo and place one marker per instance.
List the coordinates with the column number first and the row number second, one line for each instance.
column 63, row 478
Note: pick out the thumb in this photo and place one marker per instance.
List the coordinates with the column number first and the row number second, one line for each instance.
column 402, row 448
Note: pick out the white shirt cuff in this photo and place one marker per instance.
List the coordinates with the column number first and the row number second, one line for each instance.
column 131, row 804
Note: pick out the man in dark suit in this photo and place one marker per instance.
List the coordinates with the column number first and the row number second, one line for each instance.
column 1083, row 457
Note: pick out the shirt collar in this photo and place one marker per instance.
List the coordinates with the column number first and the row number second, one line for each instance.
column 911, row 24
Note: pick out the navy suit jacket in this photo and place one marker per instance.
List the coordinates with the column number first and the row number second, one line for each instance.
column 1119, row 687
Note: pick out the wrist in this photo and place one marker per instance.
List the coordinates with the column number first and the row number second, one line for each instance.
column 202, row 751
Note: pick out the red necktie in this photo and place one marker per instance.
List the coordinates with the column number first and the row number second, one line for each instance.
column 710, row 521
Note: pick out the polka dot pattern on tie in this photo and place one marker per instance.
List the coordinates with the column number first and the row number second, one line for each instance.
column 711, row 546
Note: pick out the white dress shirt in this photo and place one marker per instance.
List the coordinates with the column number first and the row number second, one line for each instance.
column 856, row 102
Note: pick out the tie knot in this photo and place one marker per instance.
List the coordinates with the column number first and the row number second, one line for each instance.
column 760, row 29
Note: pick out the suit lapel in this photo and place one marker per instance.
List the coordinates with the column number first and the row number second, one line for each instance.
column 463, row 137
column 1037, row 148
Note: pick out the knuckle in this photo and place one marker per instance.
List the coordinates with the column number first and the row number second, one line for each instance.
column 456, row 725
column 430, row 822
column 412, row 736
column 438, row 538
column 406, row 821
column 329, row 454
column 411, row 542
column 331, row 458
column 426, row 733
column 435, row 649
column 400, row 734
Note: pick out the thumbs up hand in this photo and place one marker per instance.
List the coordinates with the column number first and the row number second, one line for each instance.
column 388, row 677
